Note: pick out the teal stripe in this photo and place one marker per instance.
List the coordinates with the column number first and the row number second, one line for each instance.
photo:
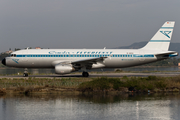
column 159, row 41
column 172, row 55
column 114, row 55
column 166, row 27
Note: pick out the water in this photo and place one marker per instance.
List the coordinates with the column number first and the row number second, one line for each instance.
column 8, row 71
column 83, row 107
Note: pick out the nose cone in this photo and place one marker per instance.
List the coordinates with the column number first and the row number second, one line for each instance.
column 4, row 61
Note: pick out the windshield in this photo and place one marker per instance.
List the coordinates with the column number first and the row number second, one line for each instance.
column 12, row 55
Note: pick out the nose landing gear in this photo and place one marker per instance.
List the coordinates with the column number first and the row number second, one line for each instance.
column 25, row 74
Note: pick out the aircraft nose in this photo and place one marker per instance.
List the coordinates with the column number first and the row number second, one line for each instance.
column 4, row 61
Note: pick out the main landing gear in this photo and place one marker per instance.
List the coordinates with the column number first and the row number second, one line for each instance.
column 25, row 74
column 85, row 74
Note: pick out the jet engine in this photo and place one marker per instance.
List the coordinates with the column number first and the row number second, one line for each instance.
column 63, row 69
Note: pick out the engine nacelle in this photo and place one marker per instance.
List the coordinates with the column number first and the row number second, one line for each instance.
column 63, row 69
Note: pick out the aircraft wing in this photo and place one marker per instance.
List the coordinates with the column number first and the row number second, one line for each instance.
column 87, row 62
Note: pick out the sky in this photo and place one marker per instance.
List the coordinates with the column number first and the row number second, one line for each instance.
column 92, row 24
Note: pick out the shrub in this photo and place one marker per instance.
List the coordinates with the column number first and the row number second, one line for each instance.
column 102, row 83
column 161, row 84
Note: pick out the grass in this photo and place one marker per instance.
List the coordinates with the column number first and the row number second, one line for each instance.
column 31, row 81
column 102, row 83
column 124, row 84
column 138, row 84
column 146, row 83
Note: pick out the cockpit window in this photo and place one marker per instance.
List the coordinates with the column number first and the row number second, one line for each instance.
column 13, row 55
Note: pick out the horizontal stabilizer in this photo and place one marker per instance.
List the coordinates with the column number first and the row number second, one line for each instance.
column 168, row 54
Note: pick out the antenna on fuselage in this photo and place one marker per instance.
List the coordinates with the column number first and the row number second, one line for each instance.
column 104, row 47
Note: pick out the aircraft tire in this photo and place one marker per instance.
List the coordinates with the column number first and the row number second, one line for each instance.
column 85, row 74
column 25, row 75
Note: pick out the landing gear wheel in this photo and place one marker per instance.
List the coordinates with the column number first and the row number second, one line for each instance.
column 25, row 75
column 85, row 74
column 25, row 72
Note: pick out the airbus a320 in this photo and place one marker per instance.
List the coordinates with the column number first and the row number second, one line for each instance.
column 65, row 61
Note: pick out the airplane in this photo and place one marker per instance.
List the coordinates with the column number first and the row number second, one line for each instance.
column 65, row 61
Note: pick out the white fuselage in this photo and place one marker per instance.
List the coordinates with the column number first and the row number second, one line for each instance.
column 48, row 58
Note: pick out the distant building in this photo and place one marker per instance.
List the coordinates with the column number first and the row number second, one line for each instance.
column 37, row 48
column 178, row 64
column 8, row 52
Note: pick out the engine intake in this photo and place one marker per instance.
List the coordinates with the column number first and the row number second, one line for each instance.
column 64, row 69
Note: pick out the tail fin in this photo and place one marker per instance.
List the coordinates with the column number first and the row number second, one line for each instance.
column 161, row 40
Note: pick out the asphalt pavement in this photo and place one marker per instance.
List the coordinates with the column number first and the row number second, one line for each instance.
column 94, row 75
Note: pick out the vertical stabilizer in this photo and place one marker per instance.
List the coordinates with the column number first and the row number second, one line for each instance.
column 161, row 40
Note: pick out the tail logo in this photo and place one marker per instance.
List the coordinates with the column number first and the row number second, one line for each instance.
column 166, row 33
